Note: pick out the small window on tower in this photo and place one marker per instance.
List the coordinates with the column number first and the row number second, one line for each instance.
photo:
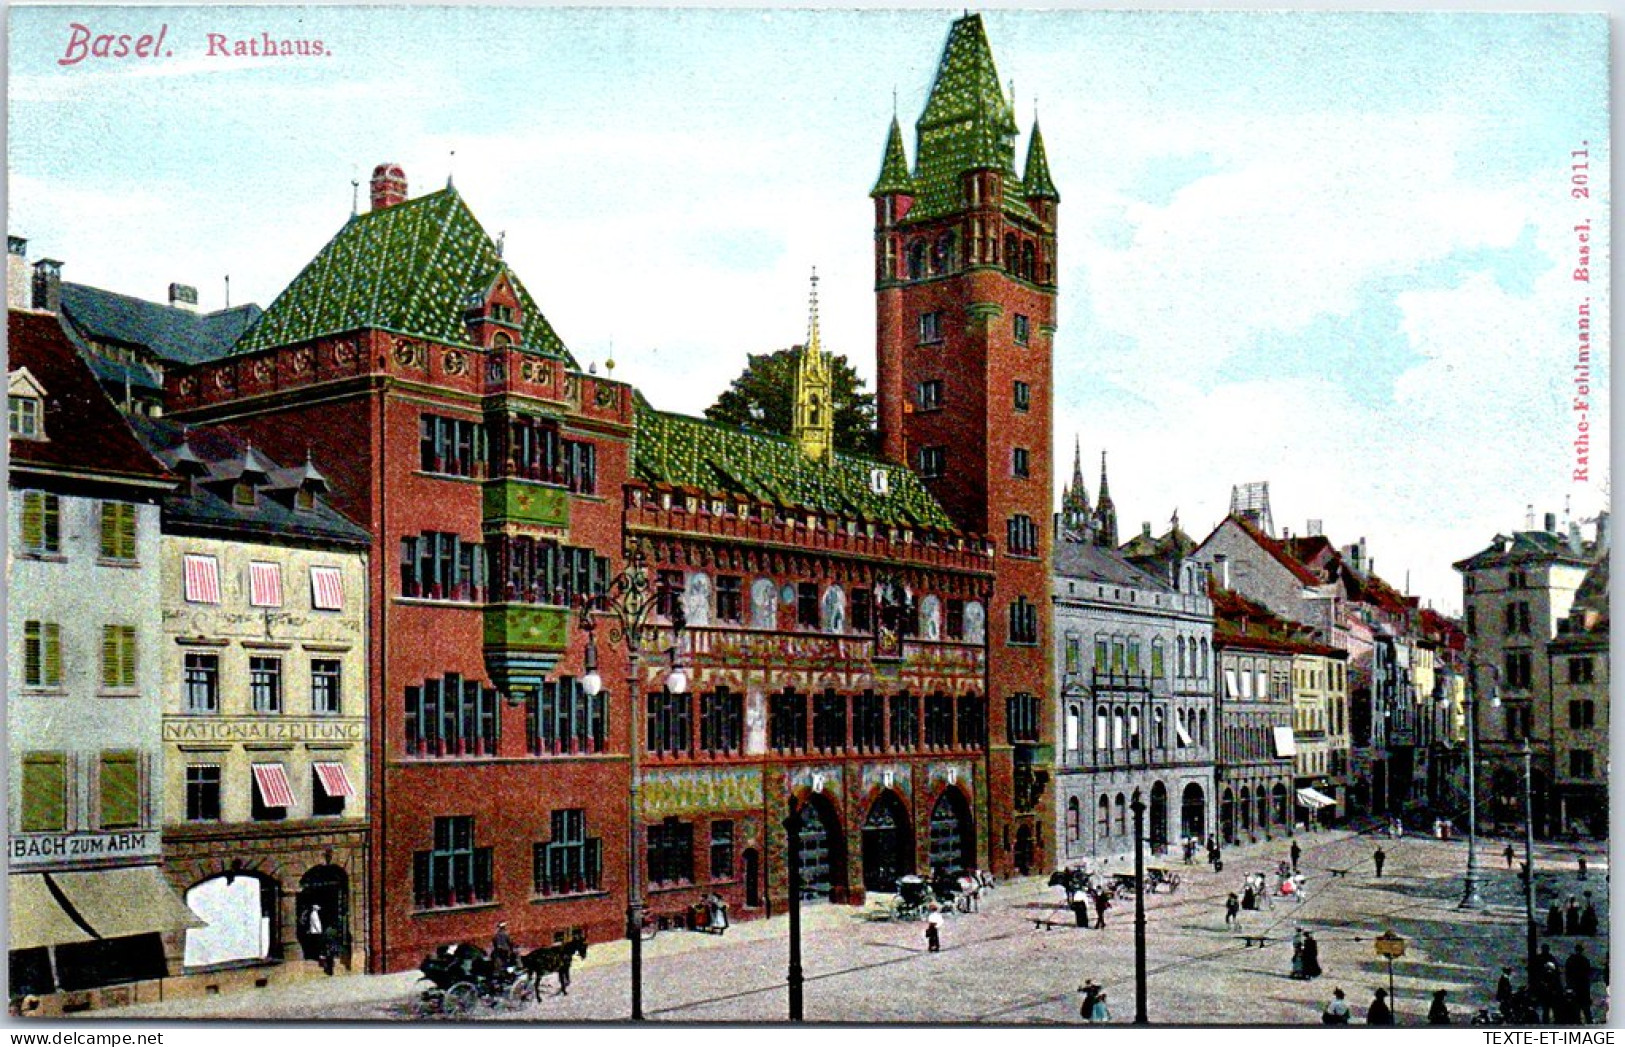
column 1023, row 396
column 931, row 327
column 929, row 394
column 1020, row 463
column 1022, row 329
column 933, row 462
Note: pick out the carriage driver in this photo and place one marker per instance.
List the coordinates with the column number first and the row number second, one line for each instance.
column 503, row 954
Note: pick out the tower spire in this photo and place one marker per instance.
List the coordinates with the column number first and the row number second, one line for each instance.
column 1105, row 511
column 813, row 426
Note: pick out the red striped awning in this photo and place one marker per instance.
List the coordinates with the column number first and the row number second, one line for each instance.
column 202, row 579
column 271, row 779
column 334, row 779
column 326, row 589
column 265, row 584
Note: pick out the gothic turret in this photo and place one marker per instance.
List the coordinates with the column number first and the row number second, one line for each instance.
column 1077, row 519
column 813, row 422
column 1105, row 511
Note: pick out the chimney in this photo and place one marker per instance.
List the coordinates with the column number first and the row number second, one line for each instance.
column 1604, row 532
column 1551, row 523
column 388, row 186
column 19, row 295
column 183, row 297
column 48, row 285
column 1222, row 562
column 1576, row 543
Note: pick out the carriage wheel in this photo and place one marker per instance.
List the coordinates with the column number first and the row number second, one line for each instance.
column 461, row 998
column 518, row 996
column 428, row 999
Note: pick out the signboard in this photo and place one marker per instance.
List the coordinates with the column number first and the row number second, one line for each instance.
column 1390, row 945
column 34, row 849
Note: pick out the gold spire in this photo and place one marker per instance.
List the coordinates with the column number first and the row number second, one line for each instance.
column 813, row 425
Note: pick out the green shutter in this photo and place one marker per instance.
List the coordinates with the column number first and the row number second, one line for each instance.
column 53, row 655
column 109, row 530
column 126, row 531
column 120, row 790
column 33, row 520
column 127, row 656
column 45, row 807
column 33, row 655
column 110, row 659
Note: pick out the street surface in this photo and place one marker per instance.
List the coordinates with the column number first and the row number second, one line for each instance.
column 996, row 966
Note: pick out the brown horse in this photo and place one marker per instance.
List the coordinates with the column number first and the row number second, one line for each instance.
column 552, row 959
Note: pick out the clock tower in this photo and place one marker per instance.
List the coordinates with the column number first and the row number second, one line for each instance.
column 965, row 314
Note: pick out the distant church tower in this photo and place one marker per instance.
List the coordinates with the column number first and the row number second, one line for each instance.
column 1077, row 519
column 965, row 317
column 813, row 422
column 1105, row 511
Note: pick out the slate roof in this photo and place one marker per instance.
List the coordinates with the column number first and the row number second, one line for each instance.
column 84, row 433
column 680, row 451
column 967, row 124
column 216, row 456
column 172, row 334
column 1525, row 547
column 412, row 268
column 1036, row 182
column 1096, row 563
column 894, row 176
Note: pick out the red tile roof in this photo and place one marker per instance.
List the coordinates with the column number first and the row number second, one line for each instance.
column 1277, row 550
column 84, row 433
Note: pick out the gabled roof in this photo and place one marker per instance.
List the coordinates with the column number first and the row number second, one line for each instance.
column 84, row 433
column 1097, row 563
column 967, row 125
column 1240, row 622
column 206, row 505
column 173, row 335
column 1274, row 548
column 680, row 451
column 1525, row 547
column 412, row 268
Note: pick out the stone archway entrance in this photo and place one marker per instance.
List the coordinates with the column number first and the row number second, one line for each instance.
column 325, row 888
column 1157, row 829
column 888, row 844
column 1193, row 813
column 953, row 834
column 822, row 856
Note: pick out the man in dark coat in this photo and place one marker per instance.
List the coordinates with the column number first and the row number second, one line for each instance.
column 1103, row 902
column 1554, row 920
column 1378, row 859
column 1571, row 917
column 1503, row 988
column 1311, row 955
column 1379, row 1013
column 1297, row 852
column 1588, row 918
column 1508, row 854
column 1577, row 972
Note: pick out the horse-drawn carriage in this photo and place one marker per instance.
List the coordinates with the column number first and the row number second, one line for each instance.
column 1156, row 879
column 456, row 978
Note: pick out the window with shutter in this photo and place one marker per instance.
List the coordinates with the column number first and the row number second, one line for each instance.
column 45, row 782
column 41, row 523
column 118, row 657
column 118, row 531
column 120, row 783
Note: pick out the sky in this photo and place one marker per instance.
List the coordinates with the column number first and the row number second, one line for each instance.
column 1330, row 251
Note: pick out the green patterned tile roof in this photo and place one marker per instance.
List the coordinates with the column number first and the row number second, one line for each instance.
column 1036, row 183
column 894, row 177
column 689, row 452
column 410, row 268
column 967, row 124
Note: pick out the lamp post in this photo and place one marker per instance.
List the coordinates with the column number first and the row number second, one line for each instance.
column 631, row 600
column 1470, row 898
column 1531, row 934
column 1138, row 806
column 792, row 828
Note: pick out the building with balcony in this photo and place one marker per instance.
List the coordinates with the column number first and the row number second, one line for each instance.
column 1135, row 667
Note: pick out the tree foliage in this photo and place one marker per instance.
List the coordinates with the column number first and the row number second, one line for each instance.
column 762, row 396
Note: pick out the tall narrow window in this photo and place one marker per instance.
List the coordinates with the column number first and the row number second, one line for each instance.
column 118, row 531
column 265, row 684
column 118, row 657
column 722, row 850
column 118, row 782
column 326, row 686
column 42, row 523
column 42, row 655
column 202, row 682
column 1022, row 397
column 202, row 792
column 45, row 792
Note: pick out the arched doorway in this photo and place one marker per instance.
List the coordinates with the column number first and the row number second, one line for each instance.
column 822, row 855
column 1193, row 813
column 753, row 878
column 953, row 834
column 240, row 911
column 1026, row 850
column 1227, row 816
column 325, row 888
column 888, row 844
column 1283, row 814
column 1244, row 811
column 1157, row 831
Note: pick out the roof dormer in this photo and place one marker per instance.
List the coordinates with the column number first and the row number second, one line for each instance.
column 495, row 317
column 25, row 406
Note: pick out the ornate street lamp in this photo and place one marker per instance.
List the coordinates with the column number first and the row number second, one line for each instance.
column 793, row 824
column 631, row 600
column 1138, row 806
column 1470, row 898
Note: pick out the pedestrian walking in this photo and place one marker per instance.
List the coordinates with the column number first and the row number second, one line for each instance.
column 1297, row 852
column 1091, row 992
column 1379, row 1013
column 1297, row 960
column 1503, row 989
column 1438, row 1013
column 1588, row 918
column 1311, row 956
column 1509, row 854
column 1337, row 1011
column 1546, row 983
column 1190, row 850
column 1232, row 909
column 1571, row 917
column 933, row 930
column 1580, row 865
column 1100, row 1012
column 1103, row 902
column 1378, row 859
column 1554, row 920
column 1577, row 972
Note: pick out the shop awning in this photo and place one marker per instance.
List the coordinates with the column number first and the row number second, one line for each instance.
column 271, row 779
column 1315, row 799
column 334, row 779
column 37, row 918
column 1285, row 742
column 117, row 903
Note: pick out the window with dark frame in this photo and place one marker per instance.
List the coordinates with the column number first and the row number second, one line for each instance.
column 730, row 598
column 939, row 721
column 42, row 654
column 561, row 719
column 1020, row 463
column 905, row 722
column 451, row 446
column 928, row 394
column 202, row 792
column 1023, row 622
column 671, row 853
column 1519, row 669
column 722, row 722
column 118, row 531
column 1022, row 396
column 1021, row 329
column 1021, row 535
column 829, row 722
column 862, row 610
column 118, row 657
column 438, row 565
column 668, row 593
column 807, row 605
column 787, row 722
column 722, row 850
column 454, row 872
column 41, row 523
column 1022, row 718
column 581, row 467
column 670, row 723
column 202, row 682
column 452, row 717
column 1581, row 670
column 1582, row 713
column 868, row 722
column 326, row 686
column 1581, row 764
column 571, row 862
column 931, row 327
column 971, row 717
column 933, row 462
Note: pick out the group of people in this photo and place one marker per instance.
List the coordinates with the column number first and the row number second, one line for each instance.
column 1338, row 1012
column 1093, row 1008
column 1571, row 919
column 1560, row 994
column 322, row 939
column 1305, row 955
column 1215, row 855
